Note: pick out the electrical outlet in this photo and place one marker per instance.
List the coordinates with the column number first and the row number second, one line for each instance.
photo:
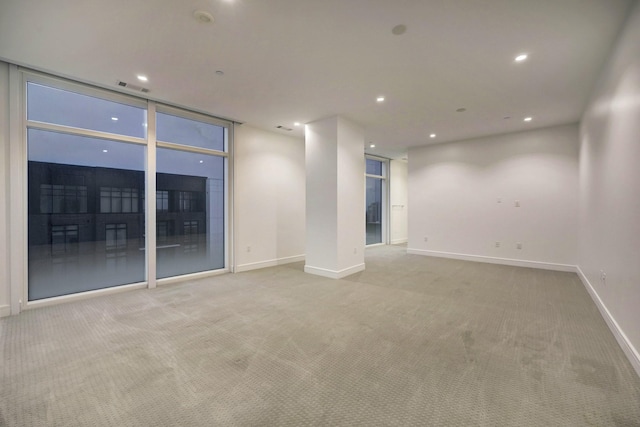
column 426, row 239
column 518, row 245
column 497, row 244
column 355, row 250
column 248, row 248
column 517, row 203
column 603, row 277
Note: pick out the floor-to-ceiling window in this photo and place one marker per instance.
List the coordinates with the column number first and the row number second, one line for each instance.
column 191, row 158
column 87, row 160
column 376, row 200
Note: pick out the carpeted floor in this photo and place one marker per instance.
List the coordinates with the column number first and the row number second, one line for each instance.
column 411, row 341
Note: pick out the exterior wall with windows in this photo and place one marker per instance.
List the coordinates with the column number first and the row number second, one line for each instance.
column 74, row 184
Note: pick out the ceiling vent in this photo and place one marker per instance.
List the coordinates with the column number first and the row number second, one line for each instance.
column 133, row 87
column 284, row 128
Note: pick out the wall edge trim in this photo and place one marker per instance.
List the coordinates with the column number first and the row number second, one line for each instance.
column 495, row 260
column 334, row 274
column 627, row 347
column 5, row 310
column 269, row 263
column 399, row 241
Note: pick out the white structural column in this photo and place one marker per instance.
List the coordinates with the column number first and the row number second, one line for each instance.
column 335, row 166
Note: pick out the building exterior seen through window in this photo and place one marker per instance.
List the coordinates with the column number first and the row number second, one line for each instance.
column 86, row 192
column 375, row 214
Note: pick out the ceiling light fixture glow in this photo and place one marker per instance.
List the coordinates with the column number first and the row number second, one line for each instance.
column 433, row 135
column 201, row 161
column 372, row 145
column 143, row 78
column 528, row 119
column 296, row 123
column 105, row 151
column 521, row 57
column 115, row 119
column 380, row 99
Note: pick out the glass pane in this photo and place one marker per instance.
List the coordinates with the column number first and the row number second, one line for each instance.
column 374, row 167
column 373, row 215
column 61, row 107
column 70, row 244
column 198, row 246
column 189, row 132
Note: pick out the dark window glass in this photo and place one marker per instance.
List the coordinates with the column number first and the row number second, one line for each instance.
column 374, row 210
column 191, row 237
column 115, row 236
column 77, row 214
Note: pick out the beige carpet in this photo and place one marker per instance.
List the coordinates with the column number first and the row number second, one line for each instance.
column 412, row 341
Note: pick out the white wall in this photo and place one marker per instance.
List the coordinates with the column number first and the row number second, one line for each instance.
column 454, row 190
column 4, row 194
column 269, row 198
column 610, row 190
column 351, row 196
column 321, row 170
column 398, row 195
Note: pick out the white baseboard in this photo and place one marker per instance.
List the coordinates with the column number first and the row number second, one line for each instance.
column 270, row 263
column 629, row 350
column 5, row 310
column 494, row 260
column 399, row 241
column 332, row 274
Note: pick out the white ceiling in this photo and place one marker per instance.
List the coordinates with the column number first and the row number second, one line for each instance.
column 303, row 60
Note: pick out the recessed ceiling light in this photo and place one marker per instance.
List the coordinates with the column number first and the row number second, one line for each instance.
column 380, row 99
column 461, row 110
column 296, row 123
column 521, row 57
column 201, row 161
column 433, row 135
column 143, row 78
column 115, row 119
column 528, row 119
column 203, row 17
column 105, row 151
column 372, row 145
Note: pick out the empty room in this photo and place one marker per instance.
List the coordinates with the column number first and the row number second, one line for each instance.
column 320, row 213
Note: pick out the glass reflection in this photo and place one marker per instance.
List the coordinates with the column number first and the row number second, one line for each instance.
column 189, row 212
column 86, row 222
